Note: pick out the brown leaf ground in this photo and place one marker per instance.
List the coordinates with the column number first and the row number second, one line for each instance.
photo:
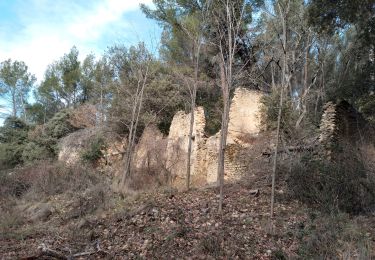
column 173, row 225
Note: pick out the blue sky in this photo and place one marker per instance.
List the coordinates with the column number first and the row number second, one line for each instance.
column 39, row 32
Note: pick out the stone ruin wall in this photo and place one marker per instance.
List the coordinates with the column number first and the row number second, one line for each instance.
column 340, row 124
column 155, row 150
column 178, row 139
column 243, row 121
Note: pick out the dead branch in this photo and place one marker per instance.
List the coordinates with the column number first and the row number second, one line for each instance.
column 299, row 148
column 47, row 252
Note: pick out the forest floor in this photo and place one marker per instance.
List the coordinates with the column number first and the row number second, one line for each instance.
column 187, row 225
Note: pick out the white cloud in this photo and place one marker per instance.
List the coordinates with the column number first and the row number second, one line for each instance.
column 49, row 28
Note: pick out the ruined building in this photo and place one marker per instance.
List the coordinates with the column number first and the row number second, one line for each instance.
column 154, row 152
column 244, row 123
column 341, row 124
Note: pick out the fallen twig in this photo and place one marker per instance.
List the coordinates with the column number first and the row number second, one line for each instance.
column 45, row 251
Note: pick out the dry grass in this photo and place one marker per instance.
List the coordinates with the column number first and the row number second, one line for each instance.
column 334, row 236
column 71, row 192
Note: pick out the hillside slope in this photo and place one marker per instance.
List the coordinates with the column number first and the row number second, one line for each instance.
column 187, row 225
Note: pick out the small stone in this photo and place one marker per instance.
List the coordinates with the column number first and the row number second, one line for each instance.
column 254, row 192
column 269, row 252
column 235, row 215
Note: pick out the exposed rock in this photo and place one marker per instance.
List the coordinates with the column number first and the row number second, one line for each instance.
column 150, row 150
column 344, row 127
column 71, row 146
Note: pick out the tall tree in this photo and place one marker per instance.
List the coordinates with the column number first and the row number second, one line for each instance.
column 61, row 86
column 229, row 27
column 131, row 70
column 353, row 23
column 87, row 78
column 184, row 23
column 15, row 85
column 102, row 83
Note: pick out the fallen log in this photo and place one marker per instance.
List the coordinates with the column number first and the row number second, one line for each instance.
column 291, row 149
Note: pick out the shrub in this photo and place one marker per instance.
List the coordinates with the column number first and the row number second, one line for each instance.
column 60, row 126
column 35, row 152
column 94, row 151
column 43, row 140
column 342, row 184
column 13, row 137
column 333, row 236
column 84, row 116
column 12, row 185
column 10, row 155
column 46, row 178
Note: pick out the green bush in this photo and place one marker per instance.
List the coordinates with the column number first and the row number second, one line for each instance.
column 35, row 152
column 94, row 151
column 59, row 126
column 13, row 138
column 43, row 140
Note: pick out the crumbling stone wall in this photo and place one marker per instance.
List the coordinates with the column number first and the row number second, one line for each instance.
column 340, row 124
column 243, row 122
column 178, row 140
column 170, row 153
column 343, row 128
column 244, row 116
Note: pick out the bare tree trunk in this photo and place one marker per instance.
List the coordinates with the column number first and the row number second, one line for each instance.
column 192, row 110
column 14, row 104
column 224, row 133
column 284, row 79
column 188, row 161
column 227, row 52
column 305, row 87
column 274, row 168
column 196, row 52
column 101, row 106
column 24, row 109
column 44, row 115
column 137, row 107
